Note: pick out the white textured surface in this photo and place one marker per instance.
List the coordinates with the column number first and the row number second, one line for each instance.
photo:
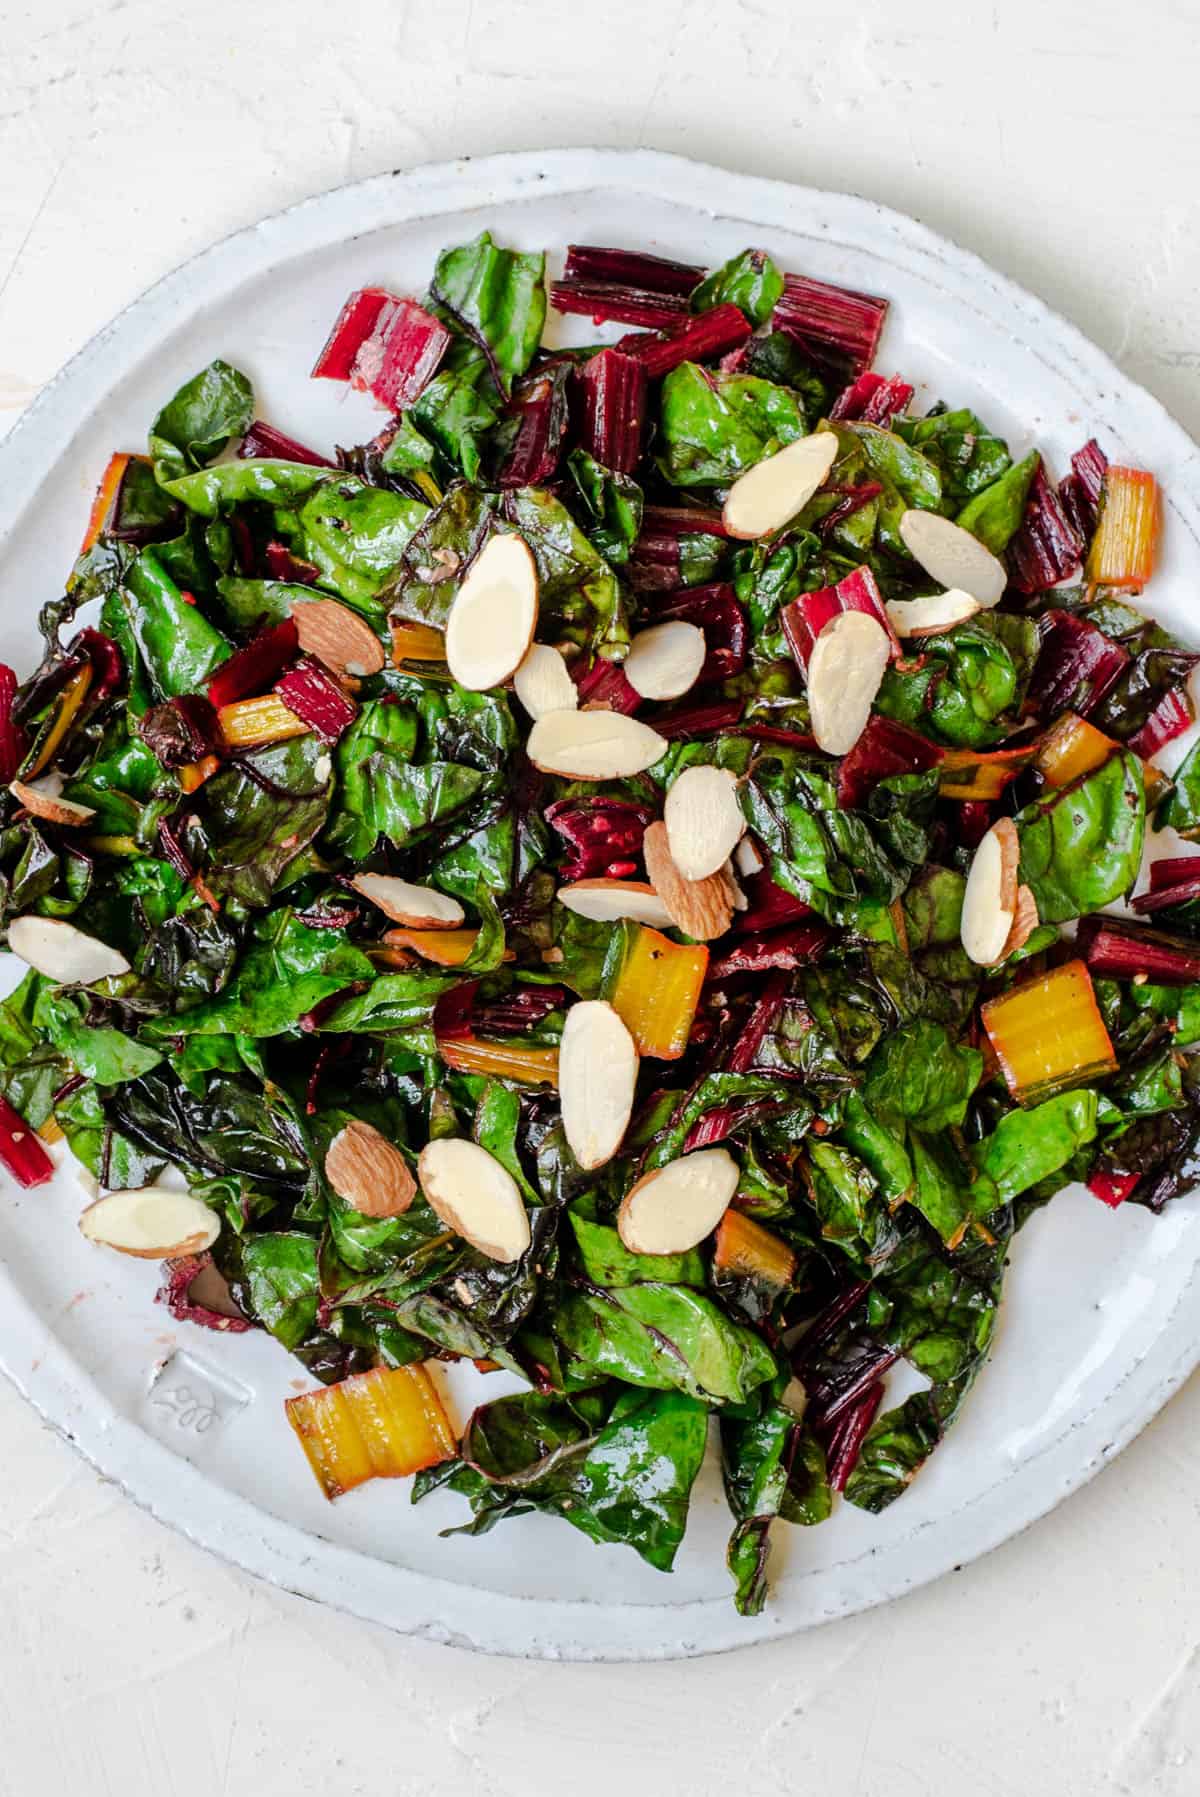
column 1062, row 143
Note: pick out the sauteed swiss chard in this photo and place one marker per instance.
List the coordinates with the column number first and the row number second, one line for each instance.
column 612, row 879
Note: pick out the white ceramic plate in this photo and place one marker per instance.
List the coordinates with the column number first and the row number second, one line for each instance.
column 1102, row 1316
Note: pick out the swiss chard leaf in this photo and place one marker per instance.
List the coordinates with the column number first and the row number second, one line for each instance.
column 195, row 426
column 715, row 426
column 496, row 296
column 1081, row 847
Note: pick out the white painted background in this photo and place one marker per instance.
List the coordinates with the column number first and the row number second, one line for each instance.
column 1059, row 139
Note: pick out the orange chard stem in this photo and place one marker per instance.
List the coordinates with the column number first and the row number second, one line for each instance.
column 194, row 773
column 1048, row 1034
column 744, row 1246
column 446, row 948
column 500, row 1060
column 656, row 991
column 106, row 494
column 247, row 723
column 417, row 642
column 1071, row 749
column 384, row 1424
column 1126, row 540
column 71, row 698
column 968, row 774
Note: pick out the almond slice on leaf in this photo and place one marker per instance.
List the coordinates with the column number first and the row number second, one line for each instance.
column 597, row 1073
column 494, row 615
column 990, row 900
column 704, row 820
column 372, row 1175
column 770, row 494
column 607, row 901
column 932, row 612
column 474, row 1196
column 338, row 638
column 593, row 745
column 416, row 907
column 1025, row 922
column 41, row 799
column 543, row 684
column 153, row 1223
column 664, row 662
column 677, row 1206
column 953, row 556
column 702, row 909
column 62, row 952
column 844, row 673
column 748, row 860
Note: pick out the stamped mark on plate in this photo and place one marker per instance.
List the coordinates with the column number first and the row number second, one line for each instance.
column 190, row 1401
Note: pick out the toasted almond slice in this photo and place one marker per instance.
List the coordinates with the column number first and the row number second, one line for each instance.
column 372, row 1175
column 768, row 495
column 474, row 1196
column 990, row 900
column 932, row 612
column 844, row 672
column 702, row 909
column 593, row 745
column 607, row 901
column 704, row 820
column 597, row 1073
column 416, row 907
column 62, row 952
column 41, row 799
column 953, row 556
column 543, row 683
column 664, row 662
column 675, row 1207
column 1025, row 922
column 338, row 637
column 154, row 1223
column 494, row 615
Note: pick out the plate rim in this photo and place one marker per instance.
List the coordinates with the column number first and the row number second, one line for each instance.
column 428, row 1606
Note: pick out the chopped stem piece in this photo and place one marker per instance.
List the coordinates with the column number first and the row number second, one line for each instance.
column 1126, row 540
column 657, row 989
column 384, row 1424
column 1048, row 1034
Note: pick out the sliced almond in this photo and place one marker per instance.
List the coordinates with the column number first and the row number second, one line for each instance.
column 416, row 907
column 62, row 952
column 1025, row 922
column 366, row 1170
column 474, row 1196
column 664, row 662
column 844, row 672
column 931, row 613
column 154, row 1223
column 41, row 798
column 677, row 1206
column 702, row 909
column 338, row 637
column 494, row 615
column 952, row 556
column 542, row 682
column 607, row 901
column 593, row 745
column 597, row 1073
column 770, row 494
column 990, row 900
column 747, row 859
column 704, row 820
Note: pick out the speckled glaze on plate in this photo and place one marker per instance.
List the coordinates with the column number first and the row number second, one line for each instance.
column 1101, row 1319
